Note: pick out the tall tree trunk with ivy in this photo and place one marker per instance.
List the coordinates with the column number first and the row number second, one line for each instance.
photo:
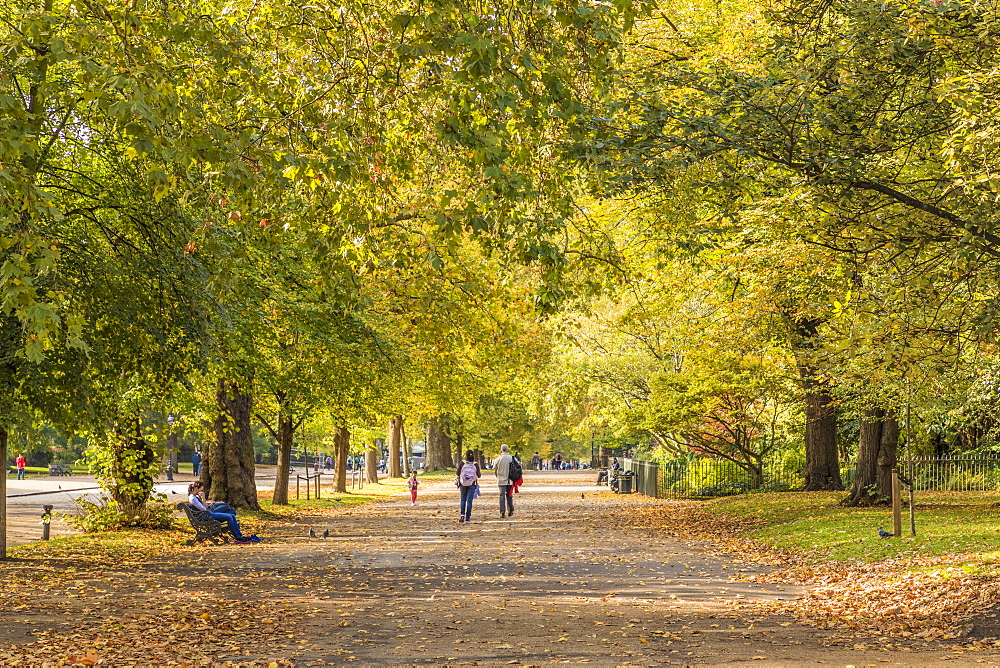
column 228, row 468
column 132, row 468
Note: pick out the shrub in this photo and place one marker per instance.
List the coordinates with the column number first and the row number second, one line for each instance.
column 104, row 514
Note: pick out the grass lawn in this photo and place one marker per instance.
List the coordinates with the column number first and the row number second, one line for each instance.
column 814, row 525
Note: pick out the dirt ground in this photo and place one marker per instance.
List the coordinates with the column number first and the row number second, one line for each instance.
column 562, row 581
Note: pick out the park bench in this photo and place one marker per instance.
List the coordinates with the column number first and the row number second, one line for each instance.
column 205, row 526
column 60, row 469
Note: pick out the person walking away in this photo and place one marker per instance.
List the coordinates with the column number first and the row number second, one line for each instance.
column 196, row 463
column 329, row 463
column 21, row 463
column 412, row 485
column 468, row 481
column 501, row 469
column 536, row 462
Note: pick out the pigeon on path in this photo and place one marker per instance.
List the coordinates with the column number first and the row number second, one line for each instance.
column 882, row 533
column 326, row 533
column 312, row 534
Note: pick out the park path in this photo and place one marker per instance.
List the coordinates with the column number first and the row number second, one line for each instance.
column 568, row 579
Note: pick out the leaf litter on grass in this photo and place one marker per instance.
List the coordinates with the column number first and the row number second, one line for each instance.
column 924, row 598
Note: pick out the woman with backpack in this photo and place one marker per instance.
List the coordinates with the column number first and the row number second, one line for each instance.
column 468, row 481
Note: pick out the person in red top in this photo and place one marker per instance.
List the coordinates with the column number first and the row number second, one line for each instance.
column 20, row 466
column 412, row 484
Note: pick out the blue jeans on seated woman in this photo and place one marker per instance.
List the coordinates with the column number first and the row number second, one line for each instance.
column 229, row 518
column 222, row 508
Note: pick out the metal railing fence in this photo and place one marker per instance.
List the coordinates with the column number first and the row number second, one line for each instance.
column 696, row 477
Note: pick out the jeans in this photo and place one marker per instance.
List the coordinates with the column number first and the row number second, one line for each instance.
column 506, row 500
column 222, row 508
column 234, row 527
column 465, row 505
column 20, row 474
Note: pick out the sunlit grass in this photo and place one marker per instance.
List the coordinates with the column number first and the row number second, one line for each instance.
column 814, row 524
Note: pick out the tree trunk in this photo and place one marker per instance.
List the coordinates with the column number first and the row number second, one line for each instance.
column 3, row 493
column 604, row 455
column 371, row 463
column 438, row 449
column 285, row 435
column 822, row 469
column 877, row 445
column 395, row 438
column 228, row 468
column 459, row 455
column 404, row 444
column 342, row 450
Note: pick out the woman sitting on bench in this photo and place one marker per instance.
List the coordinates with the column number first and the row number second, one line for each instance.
column 220, row 511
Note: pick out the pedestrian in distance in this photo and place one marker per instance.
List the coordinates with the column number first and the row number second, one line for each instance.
column 196, row 463
column 536, row 462
column 21, row 463
column 501, row 469
column 412, row 485
column 468, row 475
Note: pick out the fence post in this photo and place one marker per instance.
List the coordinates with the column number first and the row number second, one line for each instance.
column 897, row 505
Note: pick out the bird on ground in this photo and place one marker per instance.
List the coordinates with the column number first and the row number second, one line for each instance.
column 882, row 533
column 326, row 533
column 582, row 496
column 312, row 534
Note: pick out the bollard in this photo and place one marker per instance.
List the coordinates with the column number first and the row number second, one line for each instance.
column 46, row 521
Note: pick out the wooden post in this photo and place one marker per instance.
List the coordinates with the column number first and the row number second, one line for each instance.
column 897, row 505
column 46, row 521
column 297, row 479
